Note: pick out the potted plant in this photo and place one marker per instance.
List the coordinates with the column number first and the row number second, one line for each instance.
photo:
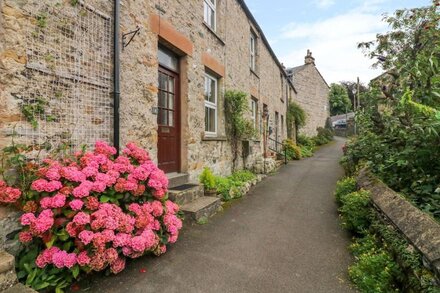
column 208, row 181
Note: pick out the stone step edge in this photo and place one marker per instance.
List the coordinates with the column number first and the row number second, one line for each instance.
column 205, row 206
column 182, row 197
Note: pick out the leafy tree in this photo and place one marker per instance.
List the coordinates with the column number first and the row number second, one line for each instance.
column 409, row 54
column 339, row 100
column 400, row 123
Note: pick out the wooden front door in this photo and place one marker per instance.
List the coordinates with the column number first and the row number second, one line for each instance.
column 168, row 120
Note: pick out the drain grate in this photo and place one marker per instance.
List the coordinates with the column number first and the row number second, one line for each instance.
column 183, row 187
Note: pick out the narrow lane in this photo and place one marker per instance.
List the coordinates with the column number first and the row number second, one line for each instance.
column 284, row 236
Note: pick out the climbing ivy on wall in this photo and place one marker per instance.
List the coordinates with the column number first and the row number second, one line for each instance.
column 238, row 128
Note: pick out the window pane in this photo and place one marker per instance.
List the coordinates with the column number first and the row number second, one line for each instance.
column 210, row 117
column 163, row 117
column 167, row 59
column 171, row 84
column 162, row 81
column 206, row 119
column 212, row 24
column 162, row 99
column 170, row 118
column 213, row 91
column 210, row 89
column 207, row 89
column 206, row 16
column 171, row 101
column 211, row 120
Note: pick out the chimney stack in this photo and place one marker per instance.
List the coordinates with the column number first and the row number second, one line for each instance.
column 309, row 59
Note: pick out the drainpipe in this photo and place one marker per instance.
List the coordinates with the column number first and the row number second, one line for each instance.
column 116, row 76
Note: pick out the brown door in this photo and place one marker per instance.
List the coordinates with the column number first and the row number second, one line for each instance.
column 168, row 121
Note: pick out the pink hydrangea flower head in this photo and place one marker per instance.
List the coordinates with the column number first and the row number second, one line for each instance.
column 111, row 255
column 76, row 204
column 25, row 237
column 58, row 258
column 103, row 148
column 81, row 218
column 118, row 265
column 83, row 189
column 39, row 185
column 53, row 174
column 53, row 185
column 70, row 260
column 86, row 236
column 43, row 223
column 138, row 244
column 83, row 259
column 171, row 207
column 58, row 201
column 157, row 208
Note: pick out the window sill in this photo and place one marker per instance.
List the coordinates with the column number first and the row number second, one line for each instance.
column 254, row 73
column 214, row 138
column 214, row 33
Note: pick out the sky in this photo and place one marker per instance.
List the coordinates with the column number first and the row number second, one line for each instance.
column 331, row 29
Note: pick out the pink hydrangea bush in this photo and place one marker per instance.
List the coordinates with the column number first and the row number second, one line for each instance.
column 92, row 211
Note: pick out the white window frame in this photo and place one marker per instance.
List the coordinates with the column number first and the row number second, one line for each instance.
column 212, row 105
column 253, row 51
column 210, row 6
column 254, row 110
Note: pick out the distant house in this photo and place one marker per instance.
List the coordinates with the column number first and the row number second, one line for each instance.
column 313, row 94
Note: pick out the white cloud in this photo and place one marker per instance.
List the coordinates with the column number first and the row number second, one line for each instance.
column 333, row 42
column 324, row 3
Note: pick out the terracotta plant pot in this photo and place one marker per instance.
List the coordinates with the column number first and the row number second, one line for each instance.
column 211, row 192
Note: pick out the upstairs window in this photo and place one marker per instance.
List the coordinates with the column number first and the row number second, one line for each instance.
column 253, row 51
column 210, row 105
column 254, row 109
column 210, row 13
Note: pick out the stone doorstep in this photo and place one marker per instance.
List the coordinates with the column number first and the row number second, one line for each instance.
column 205, row 206
column 182, row 197
column 175, row 179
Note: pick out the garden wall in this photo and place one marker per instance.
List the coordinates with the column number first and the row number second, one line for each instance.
column 417, row 227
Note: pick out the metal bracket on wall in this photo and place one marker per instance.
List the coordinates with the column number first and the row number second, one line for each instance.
column 131, row 34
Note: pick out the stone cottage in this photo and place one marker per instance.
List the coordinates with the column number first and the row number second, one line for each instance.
column 148, row 71
column 313, row 94
column 176, row 61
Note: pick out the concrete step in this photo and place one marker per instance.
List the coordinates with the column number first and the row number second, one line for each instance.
column 185, row 193
column 19, row 288
column 203, row 207
column 8, row 277
column 176, row 179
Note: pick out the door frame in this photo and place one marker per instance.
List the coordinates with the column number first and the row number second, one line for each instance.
column 177, row 116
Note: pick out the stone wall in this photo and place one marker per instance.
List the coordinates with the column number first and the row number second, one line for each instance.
column 417, row 227
column 312, row 97
column 177, row 25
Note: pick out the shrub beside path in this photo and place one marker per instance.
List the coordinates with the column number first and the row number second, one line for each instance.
column 284, row 236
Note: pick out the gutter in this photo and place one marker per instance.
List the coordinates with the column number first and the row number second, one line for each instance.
column 116, row 76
